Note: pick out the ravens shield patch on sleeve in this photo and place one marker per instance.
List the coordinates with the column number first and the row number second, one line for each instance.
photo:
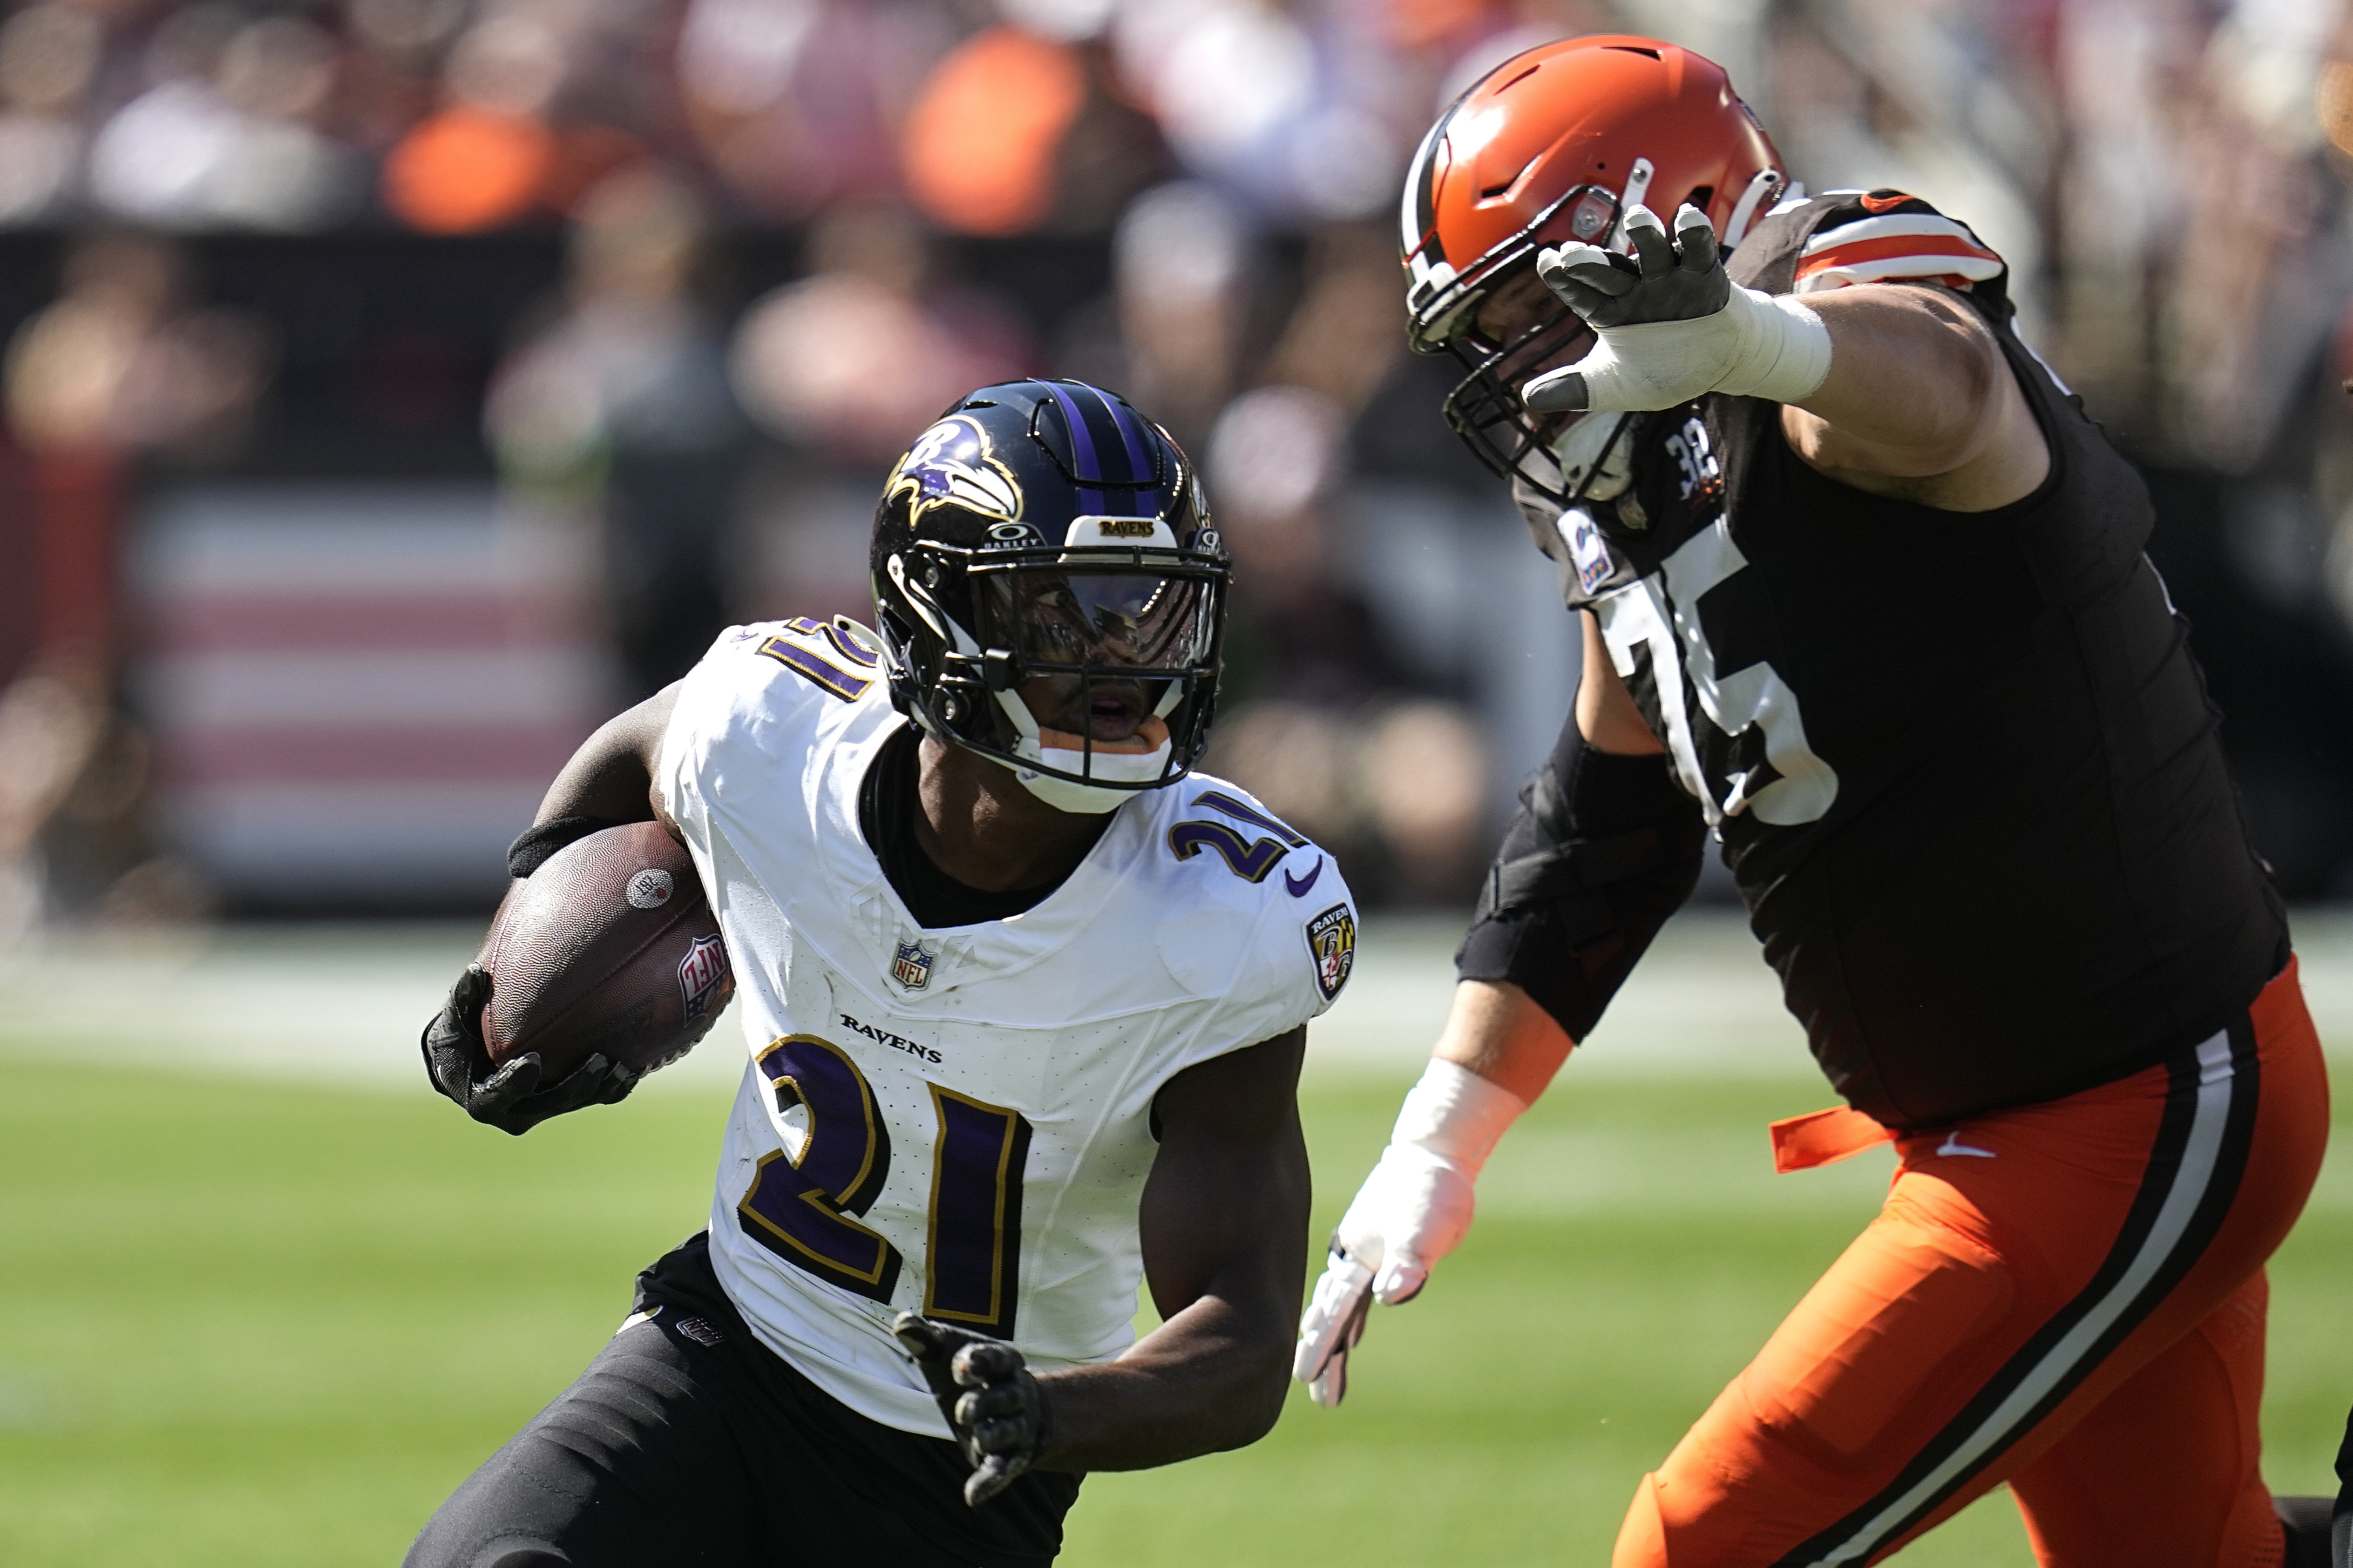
column 1332, row 943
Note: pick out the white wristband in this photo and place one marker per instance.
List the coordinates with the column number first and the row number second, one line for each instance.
column 1785, row 349
column 1456, row 1115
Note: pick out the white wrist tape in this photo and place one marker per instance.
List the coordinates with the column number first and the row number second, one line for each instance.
column 1758, row 346
column 1785, row 349
column 1457, row 1116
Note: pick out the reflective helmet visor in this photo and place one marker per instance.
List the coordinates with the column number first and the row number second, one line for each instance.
column 1069, row 618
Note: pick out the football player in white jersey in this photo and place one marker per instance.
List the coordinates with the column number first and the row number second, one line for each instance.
column 1025, row 998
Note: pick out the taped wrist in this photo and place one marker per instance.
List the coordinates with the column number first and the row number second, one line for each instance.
column 1457, row 1116
column 1758, row 346
column 534, row 845
column 1785, row 349
column 1604, row 849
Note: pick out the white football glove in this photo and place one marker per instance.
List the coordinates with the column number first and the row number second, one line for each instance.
column 1413, row 1210
column 1672, row 325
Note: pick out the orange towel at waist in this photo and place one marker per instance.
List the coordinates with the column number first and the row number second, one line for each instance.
column 1824, row 1138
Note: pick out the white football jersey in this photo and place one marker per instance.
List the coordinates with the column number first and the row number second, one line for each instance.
column 957, row 1122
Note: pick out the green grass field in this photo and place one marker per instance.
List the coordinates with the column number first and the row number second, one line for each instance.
column 258, row 1325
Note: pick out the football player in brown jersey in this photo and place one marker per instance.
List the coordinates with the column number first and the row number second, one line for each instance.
column 1864, row 598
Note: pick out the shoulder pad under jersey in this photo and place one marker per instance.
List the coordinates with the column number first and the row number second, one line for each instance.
column 1844, row 238
column 839, row 657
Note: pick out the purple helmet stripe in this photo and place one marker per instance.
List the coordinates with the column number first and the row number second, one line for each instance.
column 1139, row 466
column 1082, row 448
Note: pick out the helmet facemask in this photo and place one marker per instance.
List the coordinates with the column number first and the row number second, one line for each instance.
column 1090, row 671
column 1486, row 412
column 1485, row 407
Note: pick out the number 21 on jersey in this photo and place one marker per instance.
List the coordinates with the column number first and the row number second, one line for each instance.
column 803, row 1204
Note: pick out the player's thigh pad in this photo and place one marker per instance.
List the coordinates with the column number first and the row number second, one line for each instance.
column 2026, row 1264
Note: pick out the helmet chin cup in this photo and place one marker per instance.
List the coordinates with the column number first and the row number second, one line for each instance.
column 1064, row 762
column 1142, row 770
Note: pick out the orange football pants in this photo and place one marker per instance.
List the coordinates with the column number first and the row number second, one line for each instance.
column 2066, row 1296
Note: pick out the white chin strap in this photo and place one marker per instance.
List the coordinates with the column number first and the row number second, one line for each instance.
column 1142, row 760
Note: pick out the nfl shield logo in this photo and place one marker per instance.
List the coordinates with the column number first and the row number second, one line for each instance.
column 703, row 976
column 911, row 966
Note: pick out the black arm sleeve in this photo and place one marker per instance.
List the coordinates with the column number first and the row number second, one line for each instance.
column 535, row 846
column 1603, row 850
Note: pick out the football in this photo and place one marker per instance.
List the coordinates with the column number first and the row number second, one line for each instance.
column 609, row 947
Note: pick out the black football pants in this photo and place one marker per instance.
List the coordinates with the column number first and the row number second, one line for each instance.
column 687, row 1441
column 2340, row 1535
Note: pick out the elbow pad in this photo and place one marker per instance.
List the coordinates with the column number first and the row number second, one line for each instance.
column 1604, row 849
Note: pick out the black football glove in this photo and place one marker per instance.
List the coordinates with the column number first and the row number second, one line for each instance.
column 1672, row 280
column 995, row 1406
column 508, row 1097
column 1669, row 325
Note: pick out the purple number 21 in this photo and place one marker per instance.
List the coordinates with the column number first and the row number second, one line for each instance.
column 804, row 1209
column 1250, row 860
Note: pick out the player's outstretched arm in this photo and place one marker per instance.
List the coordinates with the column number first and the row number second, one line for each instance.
column 1498, row 1053
column 1895, row 388
column 608, row 783
column 1919, row 403
column 1605, row 847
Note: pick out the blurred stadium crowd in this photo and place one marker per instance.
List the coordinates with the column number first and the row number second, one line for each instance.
column 396, row 387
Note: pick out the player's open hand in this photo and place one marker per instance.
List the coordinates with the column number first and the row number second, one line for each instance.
column 993, row 1402
column 1670, row 325
column 1413, row 1210
column 510, row 1097
column 1665, row 280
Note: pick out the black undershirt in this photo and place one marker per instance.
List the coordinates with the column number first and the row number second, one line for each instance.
column 886, row 814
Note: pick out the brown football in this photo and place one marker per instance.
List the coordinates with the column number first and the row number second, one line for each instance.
column 609, row 947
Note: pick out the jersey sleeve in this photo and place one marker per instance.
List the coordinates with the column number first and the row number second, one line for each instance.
column 1301, row 953
column 1251, row 913
column 1846, row 237
column 1604, row 849
column 754, row 696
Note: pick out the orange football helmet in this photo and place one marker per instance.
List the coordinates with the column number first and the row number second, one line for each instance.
column 1553, row 146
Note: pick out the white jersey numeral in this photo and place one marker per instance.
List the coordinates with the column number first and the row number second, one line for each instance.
column 1661, row 613
column 1690, row 450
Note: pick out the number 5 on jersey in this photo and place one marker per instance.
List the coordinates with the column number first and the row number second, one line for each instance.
column 802, row 1204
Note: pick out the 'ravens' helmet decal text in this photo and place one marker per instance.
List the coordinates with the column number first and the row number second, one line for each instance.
column 952, row 464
